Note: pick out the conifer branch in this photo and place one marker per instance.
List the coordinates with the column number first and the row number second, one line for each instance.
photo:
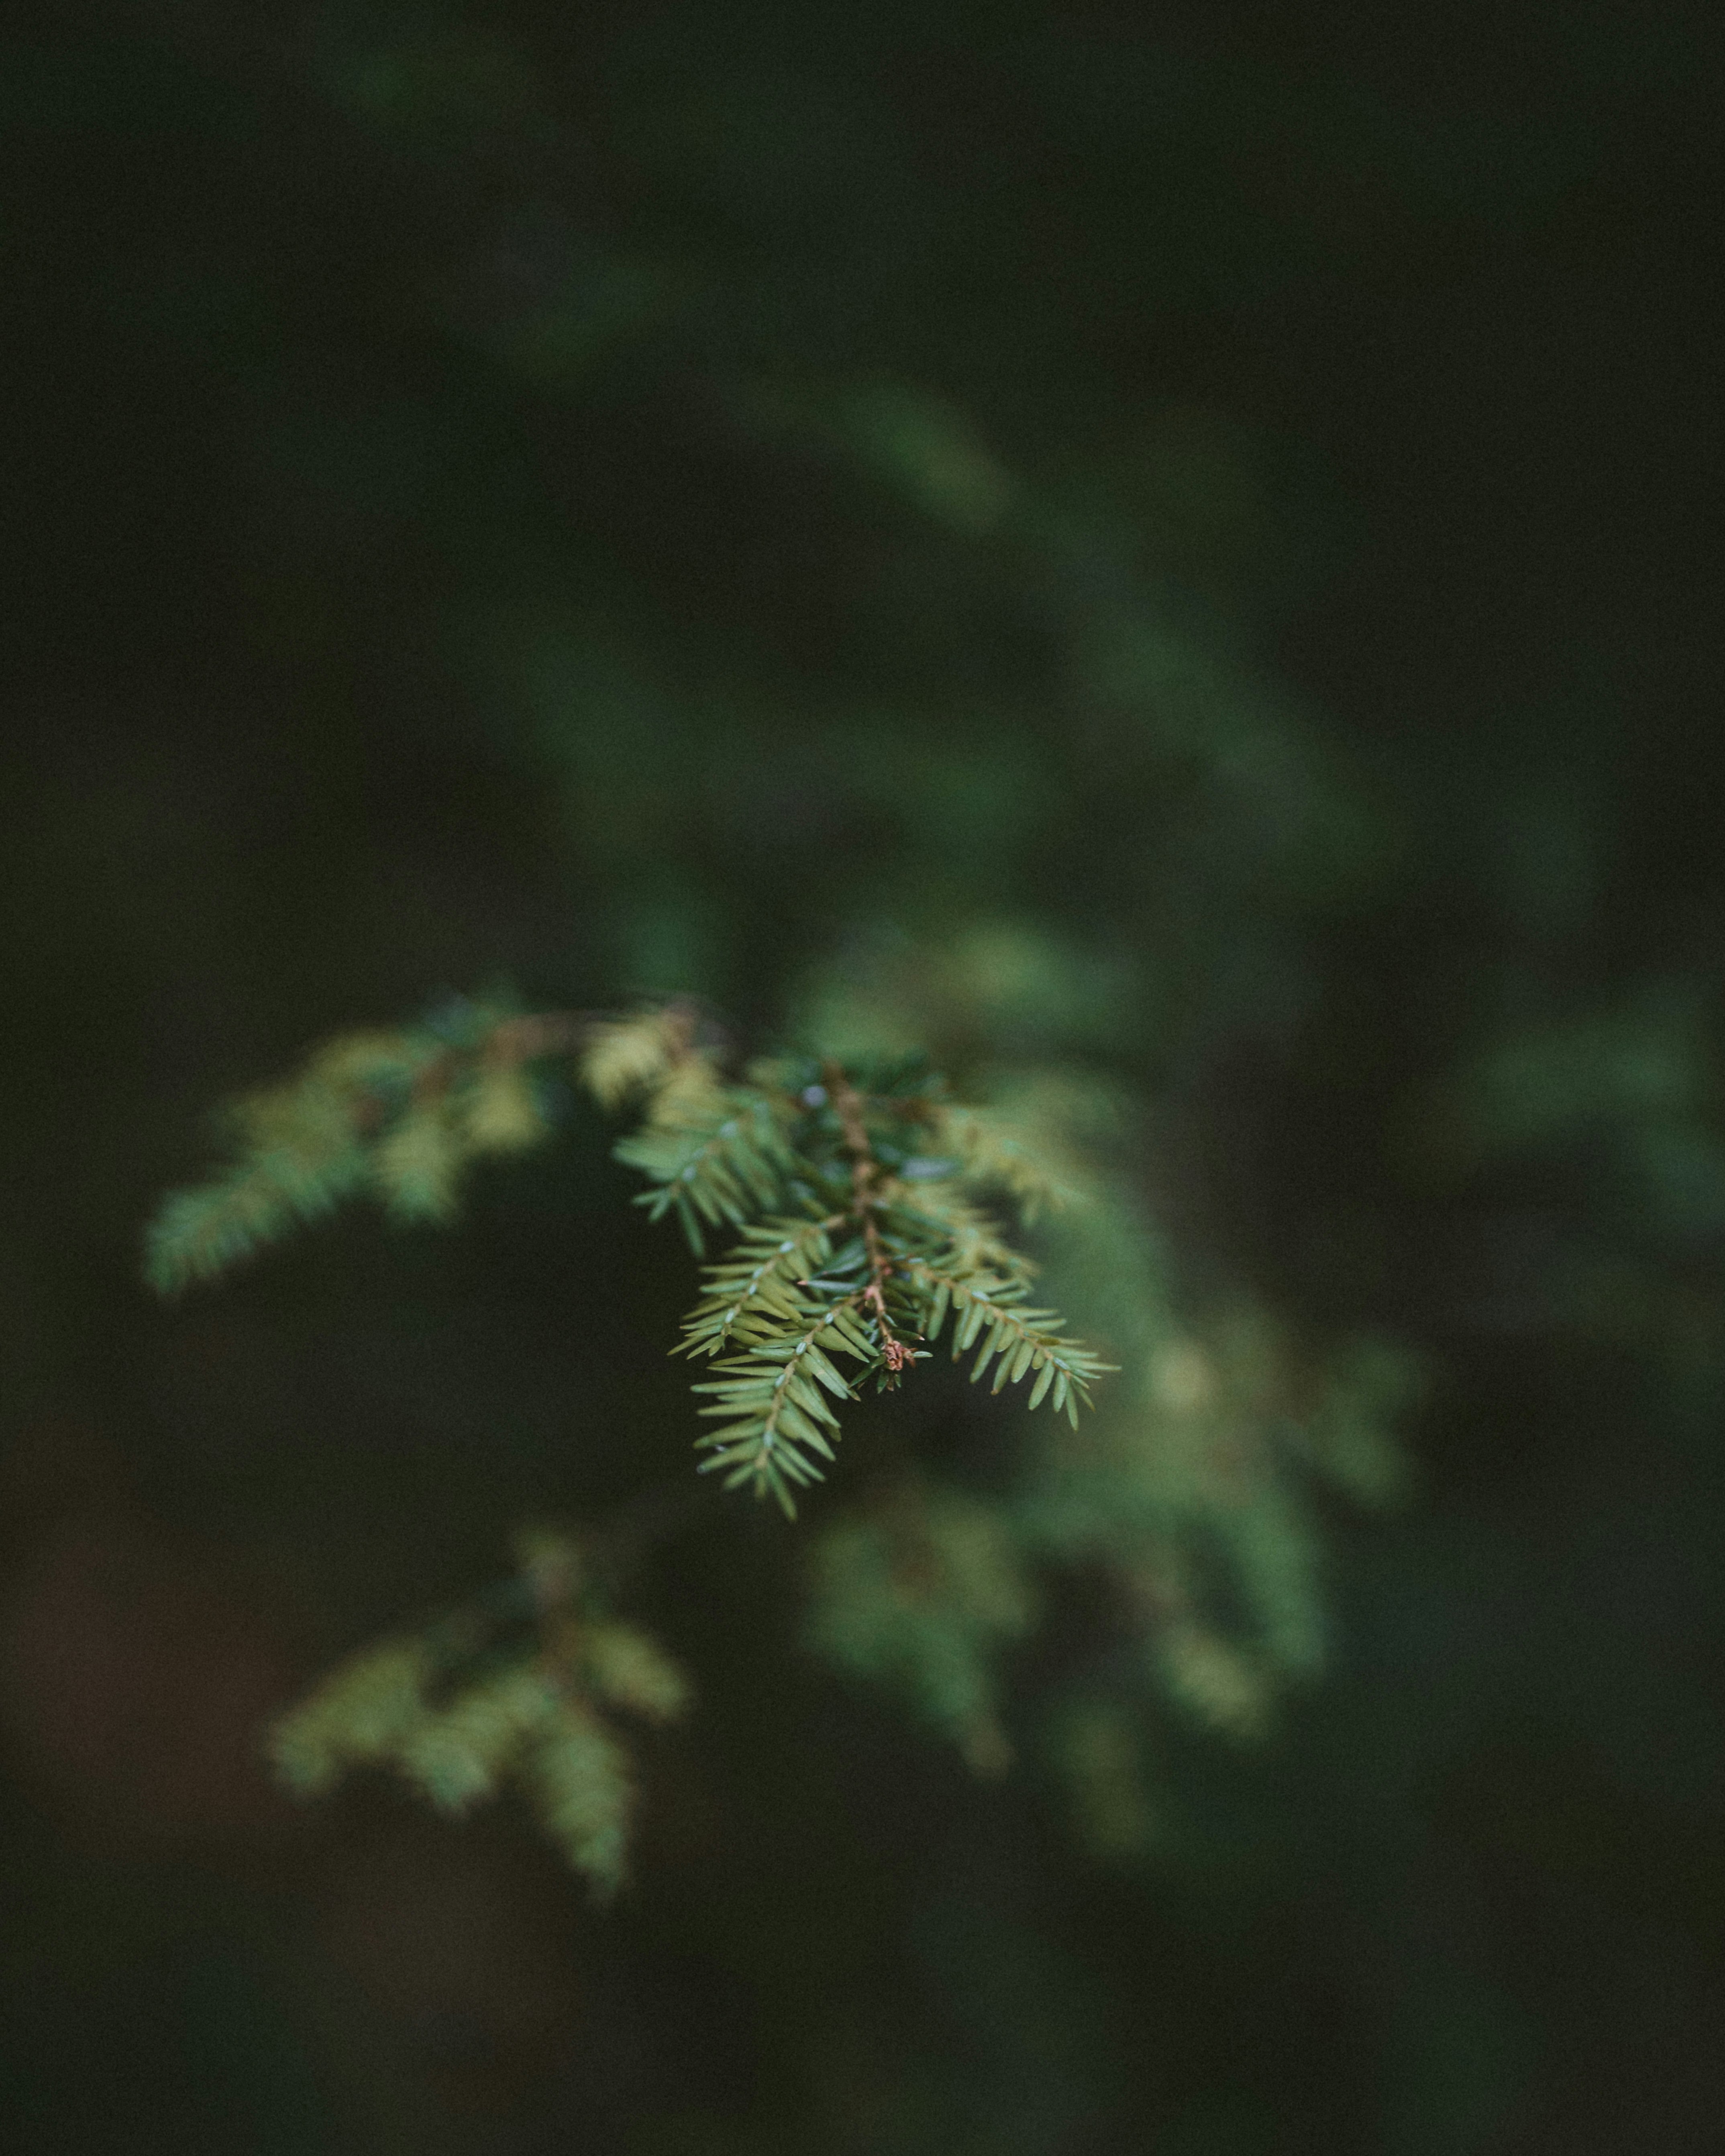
column 984, row 1308
column 404, row 1113
column 789, row 1158
column 467, row 1706
column 777, row 1418
column 849, row 1192
column 759, row 1287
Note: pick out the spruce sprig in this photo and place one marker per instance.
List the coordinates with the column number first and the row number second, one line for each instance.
column 715, row 1156
column 400, row 1114
column 887, row 1246
column 522, row 1688
column 852, row 1189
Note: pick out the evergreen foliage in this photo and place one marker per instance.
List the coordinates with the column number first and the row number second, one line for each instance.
column 519, row 1689
column 399, row 1114
column 859, row 1200
column 1188, row 1499
column 923, row 1593
column 839, row 507
column 848, row 1188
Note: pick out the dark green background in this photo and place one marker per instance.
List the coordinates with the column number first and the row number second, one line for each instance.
column 345, row 349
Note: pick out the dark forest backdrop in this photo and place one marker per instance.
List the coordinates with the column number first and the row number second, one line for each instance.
column 1176, row 535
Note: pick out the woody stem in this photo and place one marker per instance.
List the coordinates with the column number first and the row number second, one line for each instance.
column 847, row 1105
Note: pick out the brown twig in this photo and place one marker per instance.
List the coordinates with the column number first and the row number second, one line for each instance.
column 511, row 1042
column 547, row 1033
column 848, row 1106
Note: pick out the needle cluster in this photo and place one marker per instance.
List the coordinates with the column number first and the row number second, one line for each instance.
column 850, row 1193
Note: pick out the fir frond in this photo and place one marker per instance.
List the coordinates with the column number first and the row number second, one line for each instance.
column 887, row 1243
column 773, row 1401
column 465, row 1708
column 937, row 1219
column 627, row 1669
column 993, row 1150
column 302, row 1149
column 576, row 1775
column 716, row 1161
column 356, row 1716
column 205, row 1230
column 754, row 1290
column 416, row 1164
column 849, row 1192
column 459, row 1756
column 988, row 1316
column 402, row 1113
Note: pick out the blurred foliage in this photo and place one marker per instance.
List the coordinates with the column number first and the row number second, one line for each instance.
column 459, row 1707
column 855, row 1186
column 1158, row 564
